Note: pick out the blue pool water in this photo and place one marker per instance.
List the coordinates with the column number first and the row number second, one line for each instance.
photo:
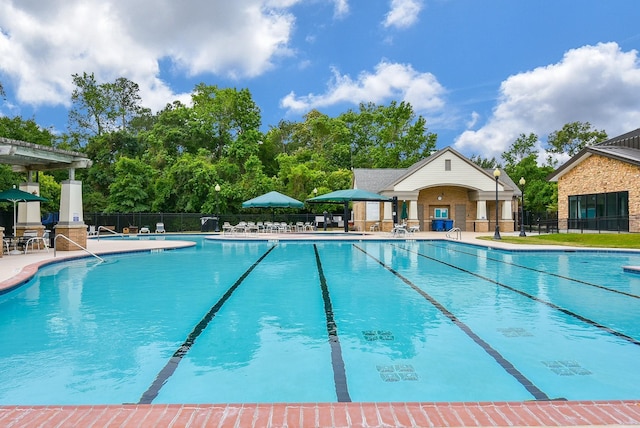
column 322, row 322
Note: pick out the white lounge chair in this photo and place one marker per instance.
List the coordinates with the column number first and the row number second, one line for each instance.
column 160, row 228
column 227, row 227
column 92, row 231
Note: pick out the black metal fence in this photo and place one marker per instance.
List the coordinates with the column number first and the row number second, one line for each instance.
column 617, row 224
column 545, row 222
column 189, row 222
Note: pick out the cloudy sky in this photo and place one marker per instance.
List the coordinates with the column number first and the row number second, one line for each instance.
column 480, row 71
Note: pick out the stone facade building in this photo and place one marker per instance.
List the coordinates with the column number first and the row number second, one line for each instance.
column 445, row 186
column 599, row 187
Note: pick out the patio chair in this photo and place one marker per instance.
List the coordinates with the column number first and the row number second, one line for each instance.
column 227, row 227
column 398, row 229
column 375, row 227
column 240, row 227
column 160, row 228
column 92, row 231
column 31, row 238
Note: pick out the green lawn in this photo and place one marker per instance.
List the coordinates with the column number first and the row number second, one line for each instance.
column 608, row 240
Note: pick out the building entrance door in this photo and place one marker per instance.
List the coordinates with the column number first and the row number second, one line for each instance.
column 461, row 217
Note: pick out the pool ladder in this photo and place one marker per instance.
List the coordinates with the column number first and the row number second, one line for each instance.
column 74, row 243
column 108, row 230
column 457, row 232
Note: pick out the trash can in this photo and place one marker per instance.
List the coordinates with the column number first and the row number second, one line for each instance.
column 208, row 224
column 448, row 224
column 437, row 225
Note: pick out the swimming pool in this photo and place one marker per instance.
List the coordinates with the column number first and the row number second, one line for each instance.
column 324, row 321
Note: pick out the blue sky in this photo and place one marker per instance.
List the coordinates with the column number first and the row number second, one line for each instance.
column 480, row 71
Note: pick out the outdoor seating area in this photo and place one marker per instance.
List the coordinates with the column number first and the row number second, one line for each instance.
column 249, row 227
column 29, row 241
column 403, row 229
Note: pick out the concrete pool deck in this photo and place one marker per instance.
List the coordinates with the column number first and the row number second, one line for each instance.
column 18, row 269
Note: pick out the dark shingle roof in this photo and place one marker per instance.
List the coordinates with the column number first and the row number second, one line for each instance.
column 375, row 180
column 625, row 148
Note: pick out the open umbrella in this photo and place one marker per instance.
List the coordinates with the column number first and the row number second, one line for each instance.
column 346, row 196
column 272, row 200
column 16, row 195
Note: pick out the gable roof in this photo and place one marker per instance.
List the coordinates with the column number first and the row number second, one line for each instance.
column 375, row 180
column 386, row 180
column 625, row 148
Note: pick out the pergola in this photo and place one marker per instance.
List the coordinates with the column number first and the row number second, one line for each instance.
column 29, row 158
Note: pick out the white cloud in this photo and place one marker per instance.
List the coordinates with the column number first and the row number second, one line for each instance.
column 475, row 116
column 596, row 84
column 43, row 44
column 341, row 8
column 389, row 81
column 403, row 13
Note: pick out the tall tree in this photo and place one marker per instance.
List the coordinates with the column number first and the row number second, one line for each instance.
column 225, row 121
column 388, row 136
column 573, row 137
column 521, row 160
column 124, row 100
column 522, row 148
column 88, row 115
column 131, row 189
column 102, row 107
column 485, row 163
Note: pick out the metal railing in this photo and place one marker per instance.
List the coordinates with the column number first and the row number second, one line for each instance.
column 76, row 244
column 457, row 232
column 108, row 230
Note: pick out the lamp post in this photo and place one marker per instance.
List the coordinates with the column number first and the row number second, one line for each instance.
column 217, row 189
column 496, row 235
column 522, row 183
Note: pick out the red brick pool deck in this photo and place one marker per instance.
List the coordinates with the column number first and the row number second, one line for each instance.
column 18, row 269
column 548, row 413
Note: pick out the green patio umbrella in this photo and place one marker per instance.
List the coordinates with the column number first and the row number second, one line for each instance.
column 346, row 196
column 272, row 200
column 404, row 214
column 16, row 195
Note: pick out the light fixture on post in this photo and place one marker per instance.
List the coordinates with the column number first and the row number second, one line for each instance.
column 522, row 183
column 496, row 235
column 217, row 189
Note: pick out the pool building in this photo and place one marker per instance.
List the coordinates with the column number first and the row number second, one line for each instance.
column 444, row 186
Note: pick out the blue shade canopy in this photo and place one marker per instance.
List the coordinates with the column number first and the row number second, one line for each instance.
column 340, row 196
column 272, row 200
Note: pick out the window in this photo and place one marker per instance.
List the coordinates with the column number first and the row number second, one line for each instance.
column 441, row 213
column 599, row 211
column 447, row 164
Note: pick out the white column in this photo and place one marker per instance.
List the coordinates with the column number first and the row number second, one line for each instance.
column 413, row 210
column 29, row 212
column 71, row 203
column 481, row 208
column 506, row 210
column 388, row 211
